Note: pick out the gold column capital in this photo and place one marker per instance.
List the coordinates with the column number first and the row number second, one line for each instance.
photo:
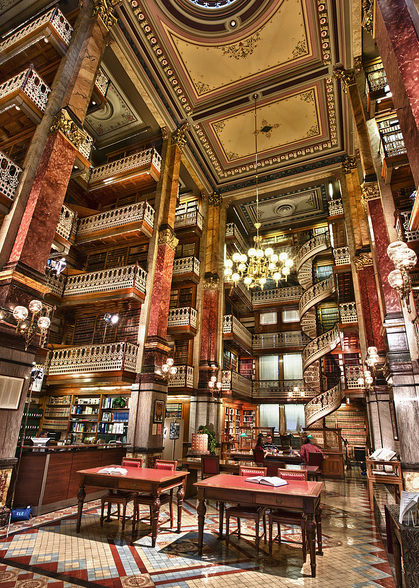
column 370, row 191
column 346, row 76
column 215, row 199
column 211, row 283
column 104, row 9
column 350, row 163
column 368, row 15
column 167, row 237
column 63, row 122
column 178, row 137
column 363, row 260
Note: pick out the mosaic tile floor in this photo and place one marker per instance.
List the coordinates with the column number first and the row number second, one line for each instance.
column 46, row 552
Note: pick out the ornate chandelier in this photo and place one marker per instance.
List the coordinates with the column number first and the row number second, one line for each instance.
column 260, row 264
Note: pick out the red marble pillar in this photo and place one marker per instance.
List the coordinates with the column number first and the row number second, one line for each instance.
column 370, row 307
column 398, row 44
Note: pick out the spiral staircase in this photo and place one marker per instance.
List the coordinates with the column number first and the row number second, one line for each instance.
column 328, row 398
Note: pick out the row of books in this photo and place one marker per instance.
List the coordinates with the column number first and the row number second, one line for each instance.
column 114, row 428
column 115, row 416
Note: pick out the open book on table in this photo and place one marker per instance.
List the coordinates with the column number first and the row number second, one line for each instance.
column 267, row 480
column 113, row 471
column 383, row 454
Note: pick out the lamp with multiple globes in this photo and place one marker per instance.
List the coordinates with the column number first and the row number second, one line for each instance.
column 404, row 260
column 28, row 330
column 167, row 370
column 214, row 383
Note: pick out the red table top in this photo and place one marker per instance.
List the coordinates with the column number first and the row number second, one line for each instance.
column 149, row 474
column 294, row 487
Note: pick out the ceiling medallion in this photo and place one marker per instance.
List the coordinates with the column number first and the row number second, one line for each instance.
column 285, row 209
column 212, row 4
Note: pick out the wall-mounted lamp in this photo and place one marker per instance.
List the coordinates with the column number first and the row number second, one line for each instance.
column 404, row 260
column 215, row 383
column 56, row 266
column 110, row 319
column 37, row 324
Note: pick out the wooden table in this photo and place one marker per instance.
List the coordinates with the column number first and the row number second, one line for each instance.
column 301, row 496
column 383, row 472
column 136, row 480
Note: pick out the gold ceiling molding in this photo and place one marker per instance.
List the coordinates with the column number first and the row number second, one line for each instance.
column 349, row 164
column 363, row 260
column 104, row 9
column 346, row 76
column 324, row 30
column 168, row 238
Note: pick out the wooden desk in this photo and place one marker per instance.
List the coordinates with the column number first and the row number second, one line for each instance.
column 302, row 496
column 376, row 472
column 138, row 480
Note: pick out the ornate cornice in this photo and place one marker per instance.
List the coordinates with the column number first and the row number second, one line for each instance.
column 178, row 137
column 215, row 199
column 346, row 76
column 363, row 260
column 167, row 237
column 65, row 124
column 368, row 15
column 211, row 283
column 349, row 163
column 104, row 9
column 370, row 191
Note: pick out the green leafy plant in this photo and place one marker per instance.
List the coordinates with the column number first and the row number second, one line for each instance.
column 118, row 402
column 212, row 441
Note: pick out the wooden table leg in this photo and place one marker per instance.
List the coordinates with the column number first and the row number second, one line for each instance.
column 81, row 495
column 180, row 495
column 155, row 511
column 371, row 493
column 311, row 539
column 201, row 510
column 318, row 516
column 221, row 506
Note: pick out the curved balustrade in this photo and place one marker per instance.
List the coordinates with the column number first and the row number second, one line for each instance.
column 9, row 176
column 282, row 390
column 65, row 223
column 308, row 323
column 323, row 404
column 108, row 280
column 56, row 283
column 305, row 274
column 316, row 294
column 102, row 221
column 320, row 346
column 233, row 325
column 126, row 164
column 311, row 248
column 284, row 339
column 179, row 317
column 94, row 358
column 276, row 295
column 29, row 82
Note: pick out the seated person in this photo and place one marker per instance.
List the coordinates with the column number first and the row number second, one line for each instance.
column 259, row 442
column 307, row 447
column 269, row 445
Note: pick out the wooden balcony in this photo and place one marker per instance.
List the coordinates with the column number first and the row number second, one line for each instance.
column 51, row 27
column 236, row 384
column 118, row 283
column 272, row 341
column 239, row 295
column 134, row 221
column 234, row 236
column 27, row 92
column 189, row 222
column 276, row 296
column 186, row 269
column 98, row 99
column 108, row 358
column 182, row 380
column 295, row 391
column 347, row 313
column 56, row 284
column 139, row 171
column 182, row 322
column 236, row 334
column 354, row 377
column 9, row 180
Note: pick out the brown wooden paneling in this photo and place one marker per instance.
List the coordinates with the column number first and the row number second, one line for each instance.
column 29, row 482
column 58, row 477
column 82, row 460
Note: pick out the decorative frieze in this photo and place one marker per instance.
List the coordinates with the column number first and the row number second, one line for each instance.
column 349, row 164
column 363, row 260
column 77, row 136
column 105, row 9
column 346, row 76
column 167, row 237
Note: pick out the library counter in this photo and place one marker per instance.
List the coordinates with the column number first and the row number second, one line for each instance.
column 48, row 478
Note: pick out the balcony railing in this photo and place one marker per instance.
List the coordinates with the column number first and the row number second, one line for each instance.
column 234, row 326
column 183, row 377
column 311, row 248
column 94, row 358
column 347, row 312
column 9, row 176
column 181, row 317
column 402, row 227
column 233, row 232
column 102, row 82
column 236, row 383
column 316, row 294
column 335, row 207
column 282, row 390
column 36, row 30
column 124, row 167
column 31, row 84
column 354, row 375
column 66, row 222
column 341, row 255
column 132, row 213
column 192, row 218
column 109, row 280
column 276, row 295
column 277, row 340
column 56, row 284
column 320, row 346
column 186, row 265
column 323, row 404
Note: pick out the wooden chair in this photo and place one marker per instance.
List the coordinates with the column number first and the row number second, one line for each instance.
column 148, row 499
column 243, row 511
column 210, row 466
column 316, row 459
column 272, row 466
column 286, row 516
column 117, row 497
column 258, row 456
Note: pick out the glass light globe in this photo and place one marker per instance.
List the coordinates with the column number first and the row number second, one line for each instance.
column 405, row 259
column 274, row 258
column 170, row 361
column 228, row 271
column 44, row 322
column 395, row 279
column 372, row 351
column 252, row 252
column 213, row 378
column 235, row 277
column 271, row 266
column 35, row 306
column 236, row 257
column 277, row 276
column 262, row 281
column 228, row 263
column 165, row 368
column 283, row 256
column 173, row 370
column 211, row 384
column 242, row 267
column 289, row 262
column 394, row 247
column 20, row 313
column 286, row 271
column 243, row 258
column 259, row 253
column 269, row 251
column 247, row 280
column 219, row 385
column 114, row 319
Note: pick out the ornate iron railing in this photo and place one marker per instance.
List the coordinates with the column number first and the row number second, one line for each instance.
column 320, row 346
column 354, row 376
column 102, row 82
column 9, row 176
column 66, row 222
column 109, row 280
column 335, row 207
column 276, row 295
column 402, row 227
column 126, row 164
column 275, row 340
column 102, row 221
column 94, row 358
column 341, row 256
column 313, row 247
column 233, row 231
column 347, row 312
column 236, row 383
column 316, row 294
column 31, row 84
column 323, row 404
column 282, row 390
column 186, row 265
column 183, row 377
column 56, row 283
column 179, row 317
column 190, row 218
column 234, row 326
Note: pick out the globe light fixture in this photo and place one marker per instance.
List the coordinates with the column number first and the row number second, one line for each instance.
column 168, row 370
column 36, row 325
column 404, row 260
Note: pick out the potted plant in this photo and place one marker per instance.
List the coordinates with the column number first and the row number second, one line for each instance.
column 212, row 442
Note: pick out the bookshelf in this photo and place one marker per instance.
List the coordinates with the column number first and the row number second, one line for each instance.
column 113, row 422
column 391, row 137
column 84, row 418
column 57, row 413
column 35, row 413
column 351, row 420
